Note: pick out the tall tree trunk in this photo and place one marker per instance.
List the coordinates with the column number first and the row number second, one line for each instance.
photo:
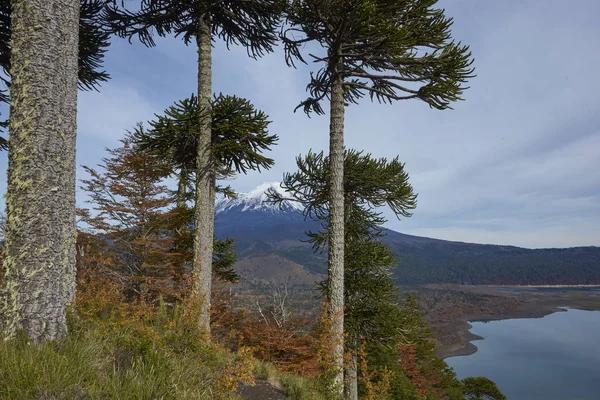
column 204, row 220
column 352, row 377
column 182, row 188
column 39, row 266
column 336, row 226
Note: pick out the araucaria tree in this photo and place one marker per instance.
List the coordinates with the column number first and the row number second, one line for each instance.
column 370, row 295
column 249, row 23
column 39, row 266
column 240, row 136
column 389, row 49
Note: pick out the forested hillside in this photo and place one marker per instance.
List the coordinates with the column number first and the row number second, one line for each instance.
column 424, row 260
column 261, row 230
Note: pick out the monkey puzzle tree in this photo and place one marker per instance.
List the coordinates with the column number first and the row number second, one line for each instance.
column 369, row 183
column 390, row 49
column 239, row 136
column 249, row 23
column 93, row 42
column 42, row 38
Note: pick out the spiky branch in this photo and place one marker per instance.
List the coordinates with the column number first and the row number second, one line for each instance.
column 392, row 50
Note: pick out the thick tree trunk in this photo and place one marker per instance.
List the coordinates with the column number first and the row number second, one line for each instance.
column 39, row 264
column 352, row 378
column 204, row 218
column 336, row 227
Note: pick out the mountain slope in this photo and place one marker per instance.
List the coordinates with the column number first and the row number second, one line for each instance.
column 263, row 229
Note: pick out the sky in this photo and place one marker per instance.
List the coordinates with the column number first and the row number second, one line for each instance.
column 517, row 162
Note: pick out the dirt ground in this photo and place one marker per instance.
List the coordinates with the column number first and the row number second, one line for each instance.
column 261, row 391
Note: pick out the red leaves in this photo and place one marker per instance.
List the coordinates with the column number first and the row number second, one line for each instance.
column 422, row 378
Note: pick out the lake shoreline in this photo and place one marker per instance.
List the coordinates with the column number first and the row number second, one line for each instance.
column 532, row 305
column 551, row 358
column 466, row 347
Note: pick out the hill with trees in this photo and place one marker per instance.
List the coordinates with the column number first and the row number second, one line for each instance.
column 260, row 229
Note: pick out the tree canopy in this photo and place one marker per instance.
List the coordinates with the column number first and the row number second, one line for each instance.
column 239, row 135
column 248, row 23
column 389, row 49
column 369, row 183
column 481, row 388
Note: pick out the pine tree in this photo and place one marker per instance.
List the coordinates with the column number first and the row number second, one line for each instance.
column 93, row 43
column 390, row 49
column 135, row 226
column 39, row 264
column 130, row 214
column 249, row 23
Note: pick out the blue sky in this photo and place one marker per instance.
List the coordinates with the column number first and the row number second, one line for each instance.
column 517, row 163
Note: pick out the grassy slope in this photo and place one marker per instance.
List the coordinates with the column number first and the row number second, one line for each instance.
column 142, row 362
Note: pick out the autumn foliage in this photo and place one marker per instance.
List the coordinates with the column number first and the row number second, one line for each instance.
column 133, row 260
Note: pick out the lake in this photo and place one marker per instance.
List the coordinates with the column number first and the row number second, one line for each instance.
column 552, row 358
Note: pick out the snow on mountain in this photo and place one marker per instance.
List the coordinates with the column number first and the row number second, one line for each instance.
column 256, row 200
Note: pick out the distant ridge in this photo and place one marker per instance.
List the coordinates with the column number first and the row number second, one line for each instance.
column 260, row 228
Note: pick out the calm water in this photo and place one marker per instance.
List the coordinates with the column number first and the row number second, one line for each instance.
column 554, row 290
column 552, row 358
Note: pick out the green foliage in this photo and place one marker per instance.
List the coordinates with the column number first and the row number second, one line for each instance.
column 369, row 183
column 249, row 23
column 372, row 299
column 239, row 135
column 481, row 388
column 93, row 44
column 223, row 260
column 390, row 49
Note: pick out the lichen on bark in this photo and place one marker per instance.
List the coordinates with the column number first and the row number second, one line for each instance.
column 38, row 268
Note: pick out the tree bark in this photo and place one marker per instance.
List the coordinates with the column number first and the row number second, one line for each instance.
column 352, row 378
column 336, row 226
column 182, row 188
column 204, row 220
column 39, row 266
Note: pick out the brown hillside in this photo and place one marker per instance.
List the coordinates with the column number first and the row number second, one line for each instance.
column 264, row 268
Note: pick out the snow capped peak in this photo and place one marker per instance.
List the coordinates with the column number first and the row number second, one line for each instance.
column 257, row 200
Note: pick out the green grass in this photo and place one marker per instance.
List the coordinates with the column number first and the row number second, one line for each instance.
column 143, row 361
column 94, row 365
